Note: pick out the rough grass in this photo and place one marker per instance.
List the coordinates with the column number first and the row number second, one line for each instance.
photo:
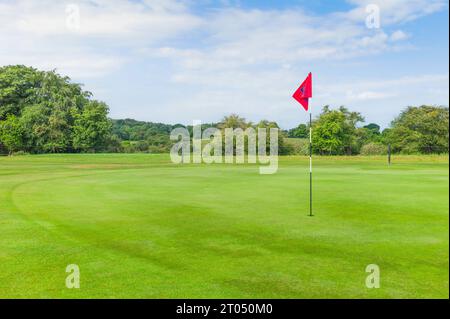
column 141, row 227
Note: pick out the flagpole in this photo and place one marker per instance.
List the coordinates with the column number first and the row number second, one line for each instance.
column 310, row 163
column 301, row 95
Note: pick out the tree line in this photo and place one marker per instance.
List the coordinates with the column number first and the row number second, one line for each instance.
column 416, row 130
column 44, row 112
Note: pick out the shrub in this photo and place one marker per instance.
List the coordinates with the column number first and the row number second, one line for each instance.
column 373, row 149
column 20, row 153
column 299, row 146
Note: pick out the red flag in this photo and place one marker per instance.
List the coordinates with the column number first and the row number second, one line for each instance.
column 304, row 92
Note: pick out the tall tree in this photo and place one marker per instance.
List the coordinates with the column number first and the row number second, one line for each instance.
column 334, row 132
column 283, row 148
column 421, row 129
column 233, row 121
column 301, row 131
column 47, row 106
column 372, row 127
column 12, row 133
column 18, row 86
column 91, row 127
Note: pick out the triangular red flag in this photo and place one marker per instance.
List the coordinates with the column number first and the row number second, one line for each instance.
column 304, row 92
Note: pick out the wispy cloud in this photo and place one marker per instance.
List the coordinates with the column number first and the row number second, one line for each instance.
column 40, row 33
column 395, row 11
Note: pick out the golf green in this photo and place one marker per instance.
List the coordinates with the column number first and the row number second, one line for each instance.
column 139, row 226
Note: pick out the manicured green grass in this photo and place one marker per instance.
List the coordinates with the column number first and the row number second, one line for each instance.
column 139, row 226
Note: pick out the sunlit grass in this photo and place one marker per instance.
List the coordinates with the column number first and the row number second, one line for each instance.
column 139, row 226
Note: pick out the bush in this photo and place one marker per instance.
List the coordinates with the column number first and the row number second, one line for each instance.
column 299, row 146
column 373, row 149
column 20, row 153
column 158, row 149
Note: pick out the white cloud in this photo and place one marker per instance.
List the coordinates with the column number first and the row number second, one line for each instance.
column 366, row 95
column 38, row 33
column 398, row 35
column 413, row 86
column 100, row 18
column 111, row 30
column 396, row 11
column 244, row 40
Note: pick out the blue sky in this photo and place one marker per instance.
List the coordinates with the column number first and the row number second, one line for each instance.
column 178, row 61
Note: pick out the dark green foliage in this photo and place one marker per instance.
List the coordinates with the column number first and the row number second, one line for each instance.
column 335, row 132
column 297, row 146
column 372, row 127
column 145, row 137
column 18, row 85
column 43, row 112
column 12, row 132
column 283, row 148
column 91, row 129
column 301, row 131
column 421, row 129
column 132, row 130
column 373, row 149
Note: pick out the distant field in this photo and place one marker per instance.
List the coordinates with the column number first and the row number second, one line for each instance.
column 139, row 226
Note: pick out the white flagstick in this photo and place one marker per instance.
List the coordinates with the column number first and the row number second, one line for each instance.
column 302, row 97
column 310, row 163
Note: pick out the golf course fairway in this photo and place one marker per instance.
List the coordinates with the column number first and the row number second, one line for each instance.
column 139, row 226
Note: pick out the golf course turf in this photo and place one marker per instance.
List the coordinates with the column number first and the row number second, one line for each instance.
column 139, row 226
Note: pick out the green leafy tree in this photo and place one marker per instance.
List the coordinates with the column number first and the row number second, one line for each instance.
column 91, row 127
column 301, row 131
column 421, row 129
column 47, row 105
column 18, row 86
column 372, row 127
column 234, row 121
column 334, row 132
column 12, row 133
column 35, row 121
column 283, row 148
